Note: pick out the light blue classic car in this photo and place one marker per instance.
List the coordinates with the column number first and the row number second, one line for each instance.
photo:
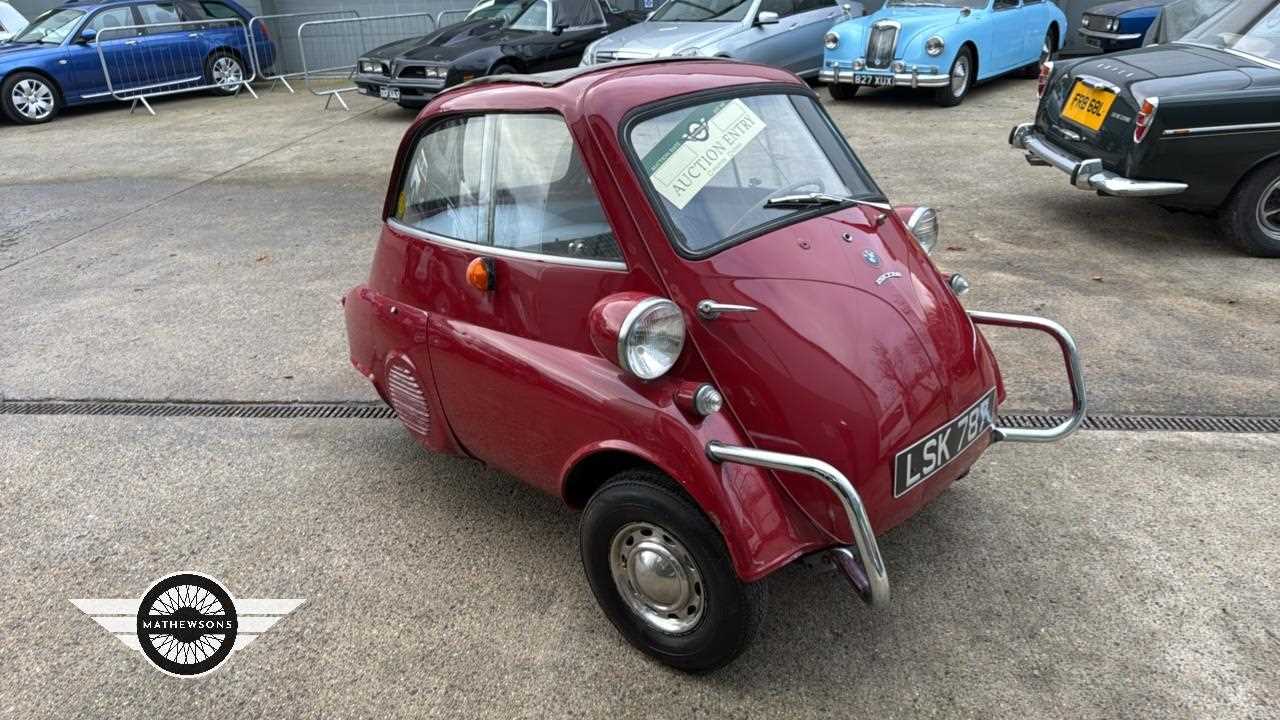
column 782, row 33
column 947, row 45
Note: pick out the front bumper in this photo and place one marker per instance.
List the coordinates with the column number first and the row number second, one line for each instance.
column 410, row 88
column 911, row 77
column 1088, row 173
column 861, row 562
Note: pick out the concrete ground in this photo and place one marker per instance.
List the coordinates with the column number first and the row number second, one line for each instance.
column 199, row 254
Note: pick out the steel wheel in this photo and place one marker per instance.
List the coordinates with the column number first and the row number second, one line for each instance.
column 960, row 76
column 33, row 99
column 1268, row 209
column 227, row 72
column 657, row 577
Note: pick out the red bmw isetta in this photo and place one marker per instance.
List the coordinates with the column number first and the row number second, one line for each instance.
column 669, row 293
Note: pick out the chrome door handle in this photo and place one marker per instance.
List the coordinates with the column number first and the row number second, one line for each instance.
column 130, row 42
column 193, row 34
column 710, row 309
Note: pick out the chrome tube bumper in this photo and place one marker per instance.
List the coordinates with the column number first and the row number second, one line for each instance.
column 913, row 79
column 1116, row 37
column 866, row 571
column 1075, row 375
column 1087, row 174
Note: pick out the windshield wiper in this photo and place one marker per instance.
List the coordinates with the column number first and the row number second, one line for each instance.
column 807, row 199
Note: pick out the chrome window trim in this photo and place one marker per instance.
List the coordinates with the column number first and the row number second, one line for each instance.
column 493, row 250
column 1244, row 127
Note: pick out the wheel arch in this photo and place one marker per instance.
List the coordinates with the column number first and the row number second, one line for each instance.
column 511, row 60
column 57, row 86
column 1248, row 172
column 973, row 53
column 1057, row 35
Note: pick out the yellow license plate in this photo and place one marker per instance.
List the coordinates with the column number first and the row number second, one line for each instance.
column 1088, row 106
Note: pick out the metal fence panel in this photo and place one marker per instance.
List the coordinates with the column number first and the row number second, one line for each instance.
column 330, row 48
column 281, row 32
column 146, row 61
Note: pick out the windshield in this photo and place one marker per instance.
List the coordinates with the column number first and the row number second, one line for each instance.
column 535, row 16
column 1182, row 16
column 723, row 169
column 52, row 27
column 702, row 11
column 506, row 11
column 1249, row 26
column 938, row 3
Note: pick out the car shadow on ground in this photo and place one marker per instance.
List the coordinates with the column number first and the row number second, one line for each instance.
column 923, row 97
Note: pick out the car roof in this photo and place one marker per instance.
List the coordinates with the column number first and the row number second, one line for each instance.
column 610, row 90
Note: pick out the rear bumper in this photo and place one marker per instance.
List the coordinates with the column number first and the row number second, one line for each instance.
column 1086, row 173
column 861, row 562
column 912, row 78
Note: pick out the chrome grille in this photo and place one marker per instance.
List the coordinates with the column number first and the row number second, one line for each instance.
column 406, row 397
column 607, row 56
column 880, row 47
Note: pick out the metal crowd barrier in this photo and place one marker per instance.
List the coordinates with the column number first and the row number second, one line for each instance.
column 460, row 16
column 330, row 48
column 147, row 61
column 280, row 32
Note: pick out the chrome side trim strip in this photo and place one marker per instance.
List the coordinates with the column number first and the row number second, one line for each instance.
column 1075, row 375
column 491, row 250
column 1182, row 132
column 875, row 585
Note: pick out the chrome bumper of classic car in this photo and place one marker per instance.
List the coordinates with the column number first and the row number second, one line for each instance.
column 862, row 563
column 908, row 77
column 1116, row 37
column 1086, row 174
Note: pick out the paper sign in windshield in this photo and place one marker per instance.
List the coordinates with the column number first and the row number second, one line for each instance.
column 700, row 146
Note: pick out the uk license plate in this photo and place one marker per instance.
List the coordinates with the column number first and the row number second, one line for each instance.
column 869, row 79
column 934, row 451
column 1088, row 106
column 389, row 93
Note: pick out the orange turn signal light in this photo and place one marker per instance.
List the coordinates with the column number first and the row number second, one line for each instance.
column 481, row 274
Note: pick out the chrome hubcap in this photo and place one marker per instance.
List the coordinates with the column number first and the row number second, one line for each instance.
column 227, row 72
column 33, row 99
column 1269, row 209
column 656, row 577
column 959, row 76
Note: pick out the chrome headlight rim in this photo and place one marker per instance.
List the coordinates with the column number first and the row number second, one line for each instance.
column 934, row 46
column 626, row 333
column 923, row 225
column 831, row 41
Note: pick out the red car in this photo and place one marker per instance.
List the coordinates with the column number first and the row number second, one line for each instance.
column 669, row 292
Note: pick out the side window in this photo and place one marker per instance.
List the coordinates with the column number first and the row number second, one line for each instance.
column 113, row 18
column 1032, row 2
column 784, row 8
column 1005, row 5
column 220, row 11
column 442, row 184
column 542, row 194
column 158, row 14
column 804, row 6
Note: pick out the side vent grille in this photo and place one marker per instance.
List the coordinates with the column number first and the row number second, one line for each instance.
column 407, row 399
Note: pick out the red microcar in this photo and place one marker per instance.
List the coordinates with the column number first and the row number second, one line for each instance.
column 669, row 292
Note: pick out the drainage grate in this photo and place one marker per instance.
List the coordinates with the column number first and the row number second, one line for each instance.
column 153, row 408
column 379, row 411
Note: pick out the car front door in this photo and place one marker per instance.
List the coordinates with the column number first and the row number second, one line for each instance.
column 509, row 191
column 117, row 39
column 174, row 52
column 1007, row 36
column 804, row 32
column 769, row 43
column 580, row 23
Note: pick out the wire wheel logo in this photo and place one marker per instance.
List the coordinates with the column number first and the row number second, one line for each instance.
column 187, row 624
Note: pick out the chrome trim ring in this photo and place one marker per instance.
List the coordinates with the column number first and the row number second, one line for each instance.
column 657, row 577
column 1268, row 211
column 624, row 333
column 32, row 99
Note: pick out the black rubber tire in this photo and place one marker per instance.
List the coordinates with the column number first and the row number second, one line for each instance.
column 943, row 95
column 208, row 72
column 504, row 69
column 11, row 111
column 733, row 610
column 1239, row 215
column 1033, row 70
column 842, row 91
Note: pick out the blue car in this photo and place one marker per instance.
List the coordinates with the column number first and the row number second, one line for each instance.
column 1119, row 25
column 54, row 62
column 945, row 45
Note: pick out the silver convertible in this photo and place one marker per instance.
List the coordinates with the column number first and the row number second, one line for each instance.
column 783, row 33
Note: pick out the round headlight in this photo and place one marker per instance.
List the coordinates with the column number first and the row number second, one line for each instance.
column 651, row 338
column 831, row 41
column 934, row 46
column 923, row 224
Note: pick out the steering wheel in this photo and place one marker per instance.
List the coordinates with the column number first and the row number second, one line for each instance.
column 793, row 187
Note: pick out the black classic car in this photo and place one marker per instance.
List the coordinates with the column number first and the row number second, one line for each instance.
column 495, row 38
column 1194, row 124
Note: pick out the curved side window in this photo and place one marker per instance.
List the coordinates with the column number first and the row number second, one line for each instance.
column 441, row 190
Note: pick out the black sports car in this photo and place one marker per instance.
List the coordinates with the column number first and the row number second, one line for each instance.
column 1194, row 124
column 496, row 37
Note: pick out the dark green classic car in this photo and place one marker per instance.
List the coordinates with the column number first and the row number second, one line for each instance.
column 1194, row 124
